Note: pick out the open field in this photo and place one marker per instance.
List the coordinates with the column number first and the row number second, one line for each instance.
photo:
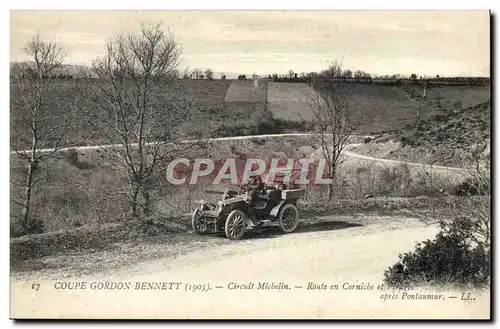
column 382, row 107
column 247, row 91
column 290, row 101
column 231, row 107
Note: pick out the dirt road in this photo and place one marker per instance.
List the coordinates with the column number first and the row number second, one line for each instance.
column 313, row 271
column 349, row 153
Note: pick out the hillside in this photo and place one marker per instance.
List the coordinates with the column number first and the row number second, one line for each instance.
column 218, row 108
column 444, row 139
column 73, row 70
column 198, row 104
column 382, row 107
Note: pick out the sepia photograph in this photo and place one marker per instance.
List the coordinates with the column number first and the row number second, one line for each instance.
column 250, row 164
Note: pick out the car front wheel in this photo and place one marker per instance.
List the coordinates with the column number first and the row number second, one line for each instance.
column 235, row 225
column 199, row 223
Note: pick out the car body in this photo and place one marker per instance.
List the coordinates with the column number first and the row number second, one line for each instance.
column 239, row 211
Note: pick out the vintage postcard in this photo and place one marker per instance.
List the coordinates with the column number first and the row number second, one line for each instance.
column 170, row 164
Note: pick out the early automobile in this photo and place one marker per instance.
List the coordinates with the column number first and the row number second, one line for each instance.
column 247, row 209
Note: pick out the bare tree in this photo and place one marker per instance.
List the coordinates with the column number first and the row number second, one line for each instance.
column 209, row 74
column 186, row 74
column 333, row 118
column 139, row 111
column 418, row 96
column 474, row 210
column 175, row 74
column 347, row 73
column 38, row 130
column 197, row 74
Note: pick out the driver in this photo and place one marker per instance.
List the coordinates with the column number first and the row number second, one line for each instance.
column 256, row 187
column 256, row 183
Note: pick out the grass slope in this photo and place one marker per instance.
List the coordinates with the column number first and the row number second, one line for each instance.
column 383, row 107
column 444, row 139
column 247, row 91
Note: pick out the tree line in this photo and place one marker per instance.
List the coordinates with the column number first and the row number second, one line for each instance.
column 359, row 76
column 347, row 75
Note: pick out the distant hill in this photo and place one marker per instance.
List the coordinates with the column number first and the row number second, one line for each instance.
column 74, row 70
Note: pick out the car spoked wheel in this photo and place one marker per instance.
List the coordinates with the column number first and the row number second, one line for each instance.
column 289, row 218
column 199, row 223
column 235, row 225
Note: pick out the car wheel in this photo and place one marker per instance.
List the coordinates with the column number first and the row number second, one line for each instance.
column 288, row 218
column 199, row 224
column 235, row 225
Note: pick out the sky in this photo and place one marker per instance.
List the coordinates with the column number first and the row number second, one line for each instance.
column 448, row 43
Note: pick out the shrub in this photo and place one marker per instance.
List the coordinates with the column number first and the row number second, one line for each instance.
column 262, row 123
column 391, row 181
column 448, row 259
column 442, row 136
column 460, row 253
column 71, row 156
column 408, row 139
column 18, row 228
column 469, row 187
column 394, row 181
column 259, row 141
column 439, row 117
column 229, row 130
column 35, row 226
column 263, row 127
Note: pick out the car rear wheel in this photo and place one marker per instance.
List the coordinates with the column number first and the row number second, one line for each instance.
column 235, row 225
column 288, row 218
